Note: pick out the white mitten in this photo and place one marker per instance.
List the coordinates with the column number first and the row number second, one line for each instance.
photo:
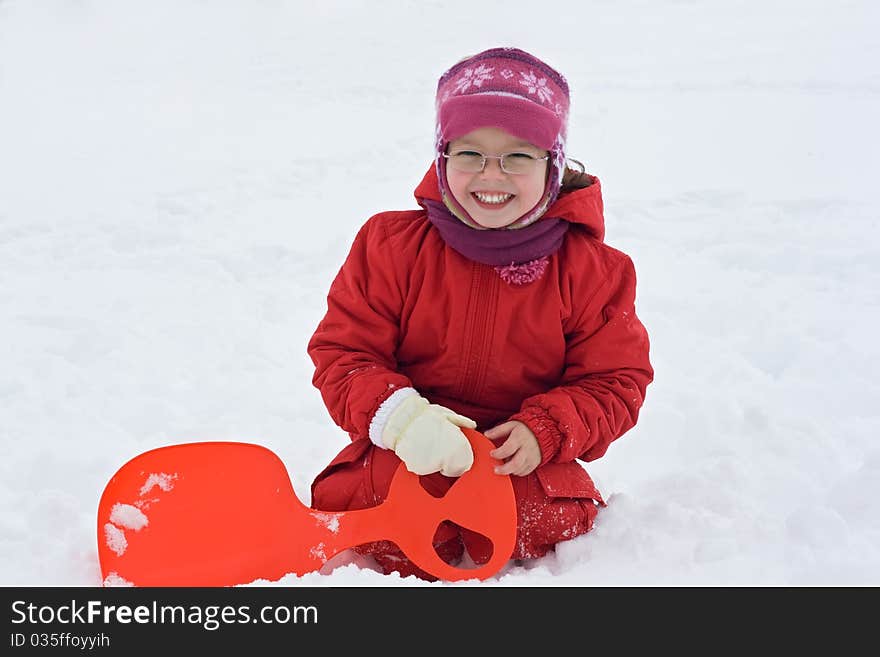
column 427, row 437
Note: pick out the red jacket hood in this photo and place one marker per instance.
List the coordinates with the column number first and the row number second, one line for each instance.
column 579, row 206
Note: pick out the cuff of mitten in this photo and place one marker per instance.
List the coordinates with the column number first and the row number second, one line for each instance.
column 545, row 430
column 380, row 418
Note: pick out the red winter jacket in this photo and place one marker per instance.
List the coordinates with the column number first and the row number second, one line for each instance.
column 565, row 354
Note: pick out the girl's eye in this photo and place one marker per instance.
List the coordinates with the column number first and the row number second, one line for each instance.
column 521, row 156
column 469, row 153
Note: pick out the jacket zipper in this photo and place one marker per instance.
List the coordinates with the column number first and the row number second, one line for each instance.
column 479, row 330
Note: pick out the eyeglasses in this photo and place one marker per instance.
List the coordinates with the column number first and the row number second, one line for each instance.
column 512, row 163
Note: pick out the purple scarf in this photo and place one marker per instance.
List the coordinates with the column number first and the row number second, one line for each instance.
column 505, row 249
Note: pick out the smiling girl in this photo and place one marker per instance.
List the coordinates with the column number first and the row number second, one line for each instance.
column 496, row 306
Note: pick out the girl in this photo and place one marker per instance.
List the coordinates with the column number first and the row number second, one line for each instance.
column 495, row 306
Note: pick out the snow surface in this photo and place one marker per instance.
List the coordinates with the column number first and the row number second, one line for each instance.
column 180, row 181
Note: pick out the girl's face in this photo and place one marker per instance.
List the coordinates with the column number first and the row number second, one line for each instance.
column 492, row 197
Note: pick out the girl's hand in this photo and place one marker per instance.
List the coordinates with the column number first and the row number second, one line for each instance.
column 520, row 451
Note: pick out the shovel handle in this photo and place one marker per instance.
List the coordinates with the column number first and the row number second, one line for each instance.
column 479, row 500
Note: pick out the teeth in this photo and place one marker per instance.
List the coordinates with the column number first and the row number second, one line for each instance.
column 492, row 198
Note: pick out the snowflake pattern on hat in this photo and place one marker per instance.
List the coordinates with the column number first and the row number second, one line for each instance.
column 474, row 77
column 536, row 85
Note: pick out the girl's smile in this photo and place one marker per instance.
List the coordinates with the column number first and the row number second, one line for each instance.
column 492, row 200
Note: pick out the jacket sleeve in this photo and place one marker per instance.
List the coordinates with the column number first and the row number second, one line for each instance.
column 607, row 371
column 354, row 345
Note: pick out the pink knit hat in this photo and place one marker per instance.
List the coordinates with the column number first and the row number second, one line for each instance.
column 510, row 89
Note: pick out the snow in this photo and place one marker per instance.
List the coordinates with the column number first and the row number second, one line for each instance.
column 162, row 480
column 115, row 538
column 180, row 181
column 329, row 521
column 114, row 580
column 128, row 516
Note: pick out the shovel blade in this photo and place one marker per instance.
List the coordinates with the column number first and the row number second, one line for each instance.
column 200, row 514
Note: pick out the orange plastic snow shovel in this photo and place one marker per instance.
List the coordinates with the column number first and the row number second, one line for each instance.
column 225, row 513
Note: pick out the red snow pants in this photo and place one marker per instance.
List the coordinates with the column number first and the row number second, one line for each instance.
column 556, row 502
